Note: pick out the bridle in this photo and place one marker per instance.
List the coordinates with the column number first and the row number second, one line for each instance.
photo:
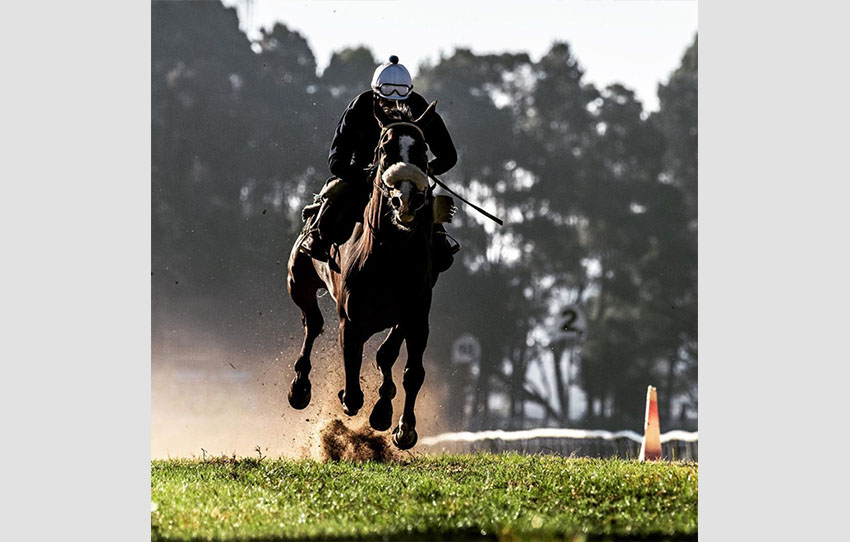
column 384, row 189
column 377, row 181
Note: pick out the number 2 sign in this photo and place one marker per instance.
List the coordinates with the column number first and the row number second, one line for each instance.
column 571, row 323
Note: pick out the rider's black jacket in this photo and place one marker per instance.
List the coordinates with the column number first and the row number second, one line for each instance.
column 358, row 132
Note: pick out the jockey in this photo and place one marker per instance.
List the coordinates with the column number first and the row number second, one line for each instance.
column 352, row 151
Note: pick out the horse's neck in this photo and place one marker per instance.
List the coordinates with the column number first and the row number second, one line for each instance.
column 365, row 244
column 374, row 210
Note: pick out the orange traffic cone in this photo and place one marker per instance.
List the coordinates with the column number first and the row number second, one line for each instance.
column 650, row 449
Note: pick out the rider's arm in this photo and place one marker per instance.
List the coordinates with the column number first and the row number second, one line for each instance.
column 343, row 144
column 441, row 145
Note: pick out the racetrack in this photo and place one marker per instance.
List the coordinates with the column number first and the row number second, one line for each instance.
column 479, row 496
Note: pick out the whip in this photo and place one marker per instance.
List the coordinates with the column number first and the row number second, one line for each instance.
column 494, row 218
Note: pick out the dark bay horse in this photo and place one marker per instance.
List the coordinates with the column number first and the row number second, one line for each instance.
column 381, row 278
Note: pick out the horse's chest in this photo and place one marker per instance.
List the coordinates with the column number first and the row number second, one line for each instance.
column 379, row 299
column 382, row 304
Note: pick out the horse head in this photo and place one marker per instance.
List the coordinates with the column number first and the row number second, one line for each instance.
column 402, row 158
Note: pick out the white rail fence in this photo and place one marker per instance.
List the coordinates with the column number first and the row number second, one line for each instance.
column 676, row 445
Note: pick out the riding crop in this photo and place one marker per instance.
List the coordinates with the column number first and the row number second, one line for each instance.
column 495, row 219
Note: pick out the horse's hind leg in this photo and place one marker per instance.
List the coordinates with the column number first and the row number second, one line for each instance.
column 303, row 292
column 382, row 414
column 404, row 435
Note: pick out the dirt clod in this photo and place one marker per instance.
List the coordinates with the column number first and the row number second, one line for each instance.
column 339, row 443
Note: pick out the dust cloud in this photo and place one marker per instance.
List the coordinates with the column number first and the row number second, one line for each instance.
column 211, row 400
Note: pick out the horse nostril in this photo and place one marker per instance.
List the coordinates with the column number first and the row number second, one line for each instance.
column 395, row 201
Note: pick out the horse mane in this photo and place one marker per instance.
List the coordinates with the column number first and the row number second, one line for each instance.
column 371, row 226
column 399, row 112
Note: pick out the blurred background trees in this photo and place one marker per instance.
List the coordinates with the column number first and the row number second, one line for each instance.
column 599, row 199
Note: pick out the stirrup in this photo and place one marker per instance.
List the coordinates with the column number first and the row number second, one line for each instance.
column 307, row 247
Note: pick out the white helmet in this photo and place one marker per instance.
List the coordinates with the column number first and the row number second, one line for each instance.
column 392, row 80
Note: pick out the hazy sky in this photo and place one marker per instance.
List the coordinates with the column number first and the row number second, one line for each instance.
column 637, row 43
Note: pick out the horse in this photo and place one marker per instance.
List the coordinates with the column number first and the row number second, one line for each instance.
column 381, row 277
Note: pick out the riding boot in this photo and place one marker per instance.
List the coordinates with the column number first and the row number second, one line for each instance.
column 443, row 250
column 315, row 244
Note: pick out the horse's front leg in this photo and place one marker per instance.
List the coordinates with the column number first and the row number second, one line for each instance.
column 404, row 435
column 382, row 414
column 299, row 390
column 351, row 340
column 303, row 292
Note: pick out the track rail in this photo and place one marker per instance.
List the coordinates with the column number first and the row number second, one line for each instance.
column 553, row 432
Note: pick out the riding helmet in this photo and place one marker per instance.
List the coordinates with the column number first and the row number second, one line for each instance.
column 392, row 80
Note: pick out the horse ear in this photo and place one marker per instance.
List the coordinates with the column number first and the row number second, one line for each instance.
column 426, row 117
column 380, row 114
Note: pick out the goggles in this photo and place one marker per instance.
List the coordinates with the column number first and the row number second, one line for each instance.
column 388, row 89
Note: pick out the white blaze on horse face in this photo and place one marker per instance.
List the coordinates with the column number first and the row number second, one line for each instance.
column 405, row 142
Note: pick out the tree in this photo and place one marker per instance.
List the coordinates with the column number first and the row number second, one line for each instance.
column 599, row 203
column 677, row 120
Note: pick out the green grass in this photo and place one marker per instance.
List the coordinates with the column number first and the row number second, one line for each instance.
column 470, row 497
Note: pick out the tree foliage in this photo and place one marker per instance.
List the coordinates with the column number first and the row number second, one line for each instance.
column 599, row 200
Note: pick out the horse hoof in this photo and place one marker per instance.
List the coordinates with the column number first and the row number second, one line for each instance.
column 382, row 417
column 405, row 442
column 350, row 408
column 300, row 394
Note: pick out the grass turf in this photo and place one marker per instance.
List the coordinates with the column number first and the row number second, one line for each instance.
column 481, row 496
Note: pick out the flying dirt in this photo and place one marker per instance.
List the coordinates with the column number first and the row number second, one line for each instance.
column 209, row 400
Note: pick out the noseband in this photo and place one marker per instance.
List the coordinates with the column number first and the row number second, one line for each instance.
column 385, row 190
